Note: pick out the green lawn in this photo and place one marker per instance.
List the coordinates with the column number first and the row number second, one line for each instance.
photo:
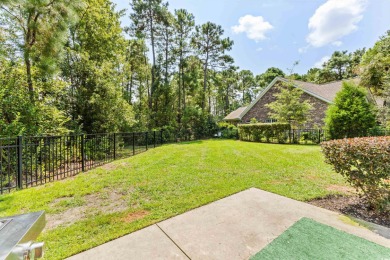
column 130, row 194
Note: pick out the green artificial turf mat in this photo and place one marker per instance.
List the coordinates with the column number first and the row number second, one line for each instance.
column 308, row 239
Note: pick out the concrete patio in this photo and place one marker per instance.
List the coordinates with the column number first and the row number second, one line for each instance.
column 235, row 227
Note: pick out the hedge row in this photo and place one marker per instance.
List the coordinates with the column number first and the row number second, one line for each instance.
column 228, row 131
column 365, row 162
column 258, row 132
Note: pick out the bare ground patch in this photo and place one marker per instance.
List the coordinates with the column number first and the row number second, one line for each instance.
column 114, row 166
column 135, row 216
column 342, row 189
column 107, row 201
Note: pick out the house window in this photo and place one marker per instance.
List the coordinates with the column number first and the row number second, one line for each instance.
column 270, row 120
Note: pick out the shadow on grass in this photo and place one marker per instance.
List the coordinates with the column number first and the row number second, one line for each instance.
column 189, row 142
column 201, row 141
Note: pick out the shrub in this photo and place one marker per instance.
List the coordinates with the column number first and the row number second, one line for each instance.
column 227, row 130
column 365, row 162
column 197, row 124
column 351, row 115
column 311, row 136
column 257, row 132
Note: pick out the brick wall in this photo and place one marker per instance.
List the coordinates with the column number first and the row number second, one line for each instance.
column 260, row 111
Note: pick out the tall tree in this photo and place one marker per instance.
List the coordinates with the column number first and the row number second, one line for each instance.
column 339, row 62
column 375, row 65
column 93, row 66
column 39, row 29
column 310, row 75
column 269, row 75
column 227, row 84
column 184, row 26
column 246, row 84
column 135, row 68
column 211, row 48
column 146, row 19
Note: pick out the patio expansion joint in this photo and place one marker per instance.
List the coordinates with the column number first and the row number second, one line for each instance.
column 173, row 241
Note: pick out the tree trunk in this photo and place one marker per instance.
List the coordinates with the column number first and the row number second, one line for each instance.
column 131, row 89
column 153, row 59
column 179, row 98
column 166, row 55
column 30, row 85
column 184, row 89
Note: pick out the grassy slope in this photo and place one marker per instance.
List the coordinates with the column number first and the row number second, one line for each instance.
column 170, row 180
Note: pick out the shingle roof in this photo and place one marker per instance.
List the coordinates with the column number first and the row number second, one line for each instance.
column 236, row 114
column 327, row 91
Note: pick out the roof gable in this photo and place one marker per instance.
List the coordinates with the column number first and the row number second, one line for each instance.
column 325, row 92
column 235, row 115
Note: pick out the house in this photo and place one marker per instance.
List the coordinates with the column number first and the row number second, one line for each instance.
column 320, row 96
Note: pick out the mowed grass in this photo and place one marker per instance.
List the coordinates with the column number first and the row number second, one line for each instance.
column 168, row 181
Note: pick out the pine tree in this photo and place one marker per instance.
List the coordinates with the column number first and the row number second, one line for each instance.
column 351, row 115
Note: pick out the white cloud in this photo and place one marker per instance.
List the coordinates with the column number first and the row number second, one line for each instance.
column 333, row 20
column 255, row 27
column 319, row 63
column 303, row 49
column 337, row 43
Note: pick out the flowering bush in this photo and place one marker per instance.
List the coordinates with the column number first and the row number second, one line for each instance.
column 365, row 162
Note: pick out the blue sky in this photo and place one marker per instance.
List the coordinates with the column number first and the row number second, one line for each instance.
column 276, row 33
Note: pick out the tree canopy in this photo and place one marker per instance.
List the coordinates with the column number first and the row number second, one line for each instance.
column 289, row 107
column 70, row 66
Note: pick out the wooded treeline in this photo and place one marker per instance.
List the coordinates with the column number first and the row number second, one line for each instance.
column 69, row 66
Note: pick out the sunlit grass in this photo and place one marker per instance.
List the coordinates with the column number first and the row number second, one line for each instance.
column 170, row 180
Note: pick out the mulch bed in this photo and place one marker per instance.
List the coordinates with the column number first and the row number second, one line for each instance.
column 354, row 206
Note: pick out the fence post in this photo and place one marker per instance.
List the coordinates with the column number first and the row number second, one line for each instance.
column 20, row 162
column 154, row 138
column 82, row 153
column 146, row 140
column 161, row 133
column 133, row 144
column 114, row 146
column 293, row 136
column 319, row 136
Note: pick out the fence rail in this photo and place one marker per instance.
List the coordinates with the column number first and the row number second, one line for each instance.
column 298, row 136
column 32, row 161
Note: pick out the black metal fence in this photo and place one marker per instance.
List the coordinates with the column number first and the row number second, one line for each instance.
column 32, row 161
column 293, row 136
column 306, row 136
column 300, row 136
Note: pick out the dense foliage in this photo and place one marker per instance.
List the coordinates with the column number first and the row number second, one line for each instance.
column 375, row 67
column 365, row 163
column 341, row 65
column 74, row 70
column 351, row 115
column 289, row 107
column 264, row 132
column 67, row 66
column 228, row 131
